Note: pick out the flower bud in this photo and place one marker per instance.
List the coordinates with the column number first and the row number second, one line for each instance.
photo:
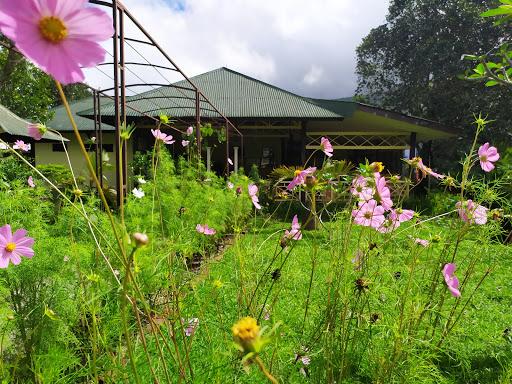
column 377, row 166
column 311, row 181
column 140, row 239
column 246, row 333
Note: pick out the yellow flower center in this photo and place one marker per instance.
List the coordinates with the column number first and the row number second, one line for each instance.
column 297, row 172
column 247, row 329
column 53, row 29
column 483, row 158
column 10, row 247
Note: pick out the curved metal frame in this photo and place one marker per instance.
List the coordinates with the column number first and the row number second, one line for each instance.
column 119, row 15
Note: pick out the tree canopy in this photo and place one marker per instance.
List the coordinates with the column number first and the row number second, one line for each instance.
column 27, row 91
column 412, row 64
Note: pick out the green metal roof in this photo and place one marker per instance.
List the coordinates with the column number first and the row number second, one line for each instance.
column 239, row 96
column 232, row 93
column 16, row 126
column 60, row 121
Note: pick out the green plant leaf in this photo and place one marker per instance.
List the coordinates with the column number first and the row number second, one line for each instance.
column 480, row 69
column 501, row 10
column 491, row 83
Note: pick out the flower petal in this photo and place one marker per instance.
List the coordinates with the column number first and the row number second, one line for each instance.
column 6, row 233
column 24, row 251
column 79, row 24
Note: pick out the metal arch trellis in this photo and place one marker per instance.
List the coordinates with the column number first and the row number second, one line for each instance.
column 199, row 101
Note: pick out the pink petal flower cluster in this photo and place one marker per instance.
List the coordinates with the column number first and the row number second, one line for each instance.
column 185, row 143
column 488, row 155
column 30, row 182
column 361, row 189
column 326, row 147
column 451, row 281
column 190, row 131
column 375, row 204
column 294, row 233
column 300, row 177
column 472, row 213
column 13, row 246
column 230, row 162
column 59, row 36
column 204, row 229
column 253, row 194
column 20, row 144
column 159, row 135
column 36, row 131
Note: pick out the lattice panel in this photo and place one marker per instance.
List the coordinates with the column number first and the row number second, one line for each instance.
column 362, row 142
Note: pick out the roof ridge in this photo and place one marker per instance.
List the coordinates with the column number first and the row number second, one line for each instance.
column 303, row 98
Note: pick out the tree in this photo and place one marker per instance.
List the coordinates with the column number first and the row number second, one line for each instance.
column 27, row 91
column 412, row 64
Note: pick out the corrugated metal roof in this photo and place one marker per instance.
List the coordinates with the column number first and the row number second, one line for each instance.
column 16, row 126
column 240, row 96
column 60, row 121
column 234, row 94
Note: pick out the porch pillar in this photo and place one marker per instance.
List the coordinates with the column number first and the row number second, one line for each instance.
column 208, row 159
column 303, row 140
column 412, row 146
column 235, row 158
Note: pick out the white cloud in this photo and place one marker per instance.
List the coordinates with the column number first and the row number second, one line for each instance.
column 304, row 46
column 314, row 74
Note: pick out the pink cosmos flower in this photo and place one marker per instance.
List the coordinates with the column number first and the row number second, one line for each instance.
column 423, row 243
column 418, row 163
column 13, row 246
column 294, row 233
column 326, row 147
column 60, row 37
column 185, row 143
column 204, row 229
column 30, row 182
column 369, row 214
column 451, row 281
column 36, row 131
column 488, row 155
column 361, row 189
column 253, row 190
column 300, row 177
column 388, row 225
column 401, row 215
column 190, row 130
column 471, row 212
column 159, row 135
column 192, row 326
column 230, row 162
column 382, row 194
column 20, row 144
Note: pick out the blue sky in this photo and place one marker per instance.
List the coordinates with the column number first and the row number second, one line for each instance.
column 306, row 47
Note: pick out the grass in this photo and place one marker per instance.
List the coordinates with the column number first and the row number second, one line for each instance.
column 477, row 351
